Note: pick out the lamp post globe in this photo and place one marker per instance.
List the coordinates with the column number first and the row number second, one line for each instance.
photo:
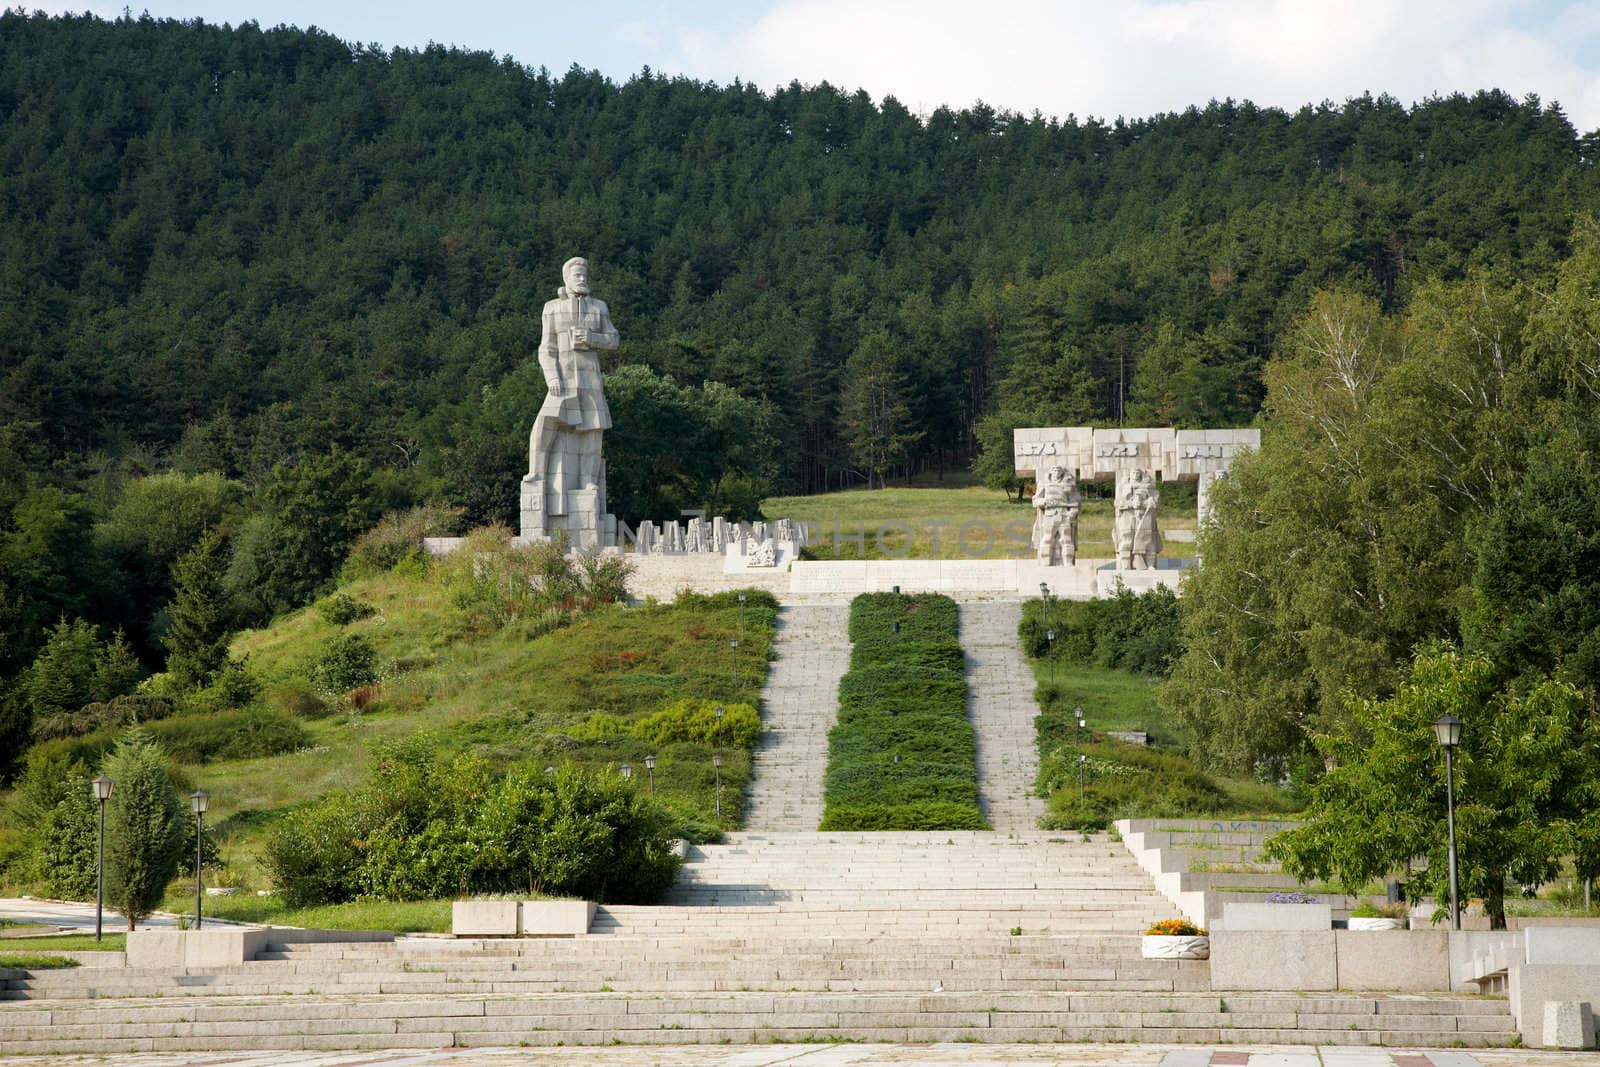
column 1447, row 731
column 650, row 766
column 626, row 770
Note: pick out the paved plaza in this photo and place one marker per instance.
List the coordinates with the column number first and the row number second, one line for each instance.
column 940, row 1055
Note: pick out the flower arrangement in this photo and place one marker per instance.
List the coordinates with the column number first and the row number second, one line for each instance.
column 1175, row 928
column 1291, row 898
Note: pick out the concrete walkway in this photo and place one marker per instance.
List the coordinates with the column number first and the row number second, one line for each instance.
column 799, row 705
column 888, row 1055
column 1000, row 703
column 79, row 918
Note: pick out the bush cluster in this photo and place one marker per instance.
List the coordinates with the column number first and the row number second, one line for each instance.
column 493, row 580
column 203, row 738
column 903, row 756
column 345, row 662
column 398, row 538
column 426, row 827
column 1130, row 631
column 1124, row 781
column 342, row 609
column 682, row 720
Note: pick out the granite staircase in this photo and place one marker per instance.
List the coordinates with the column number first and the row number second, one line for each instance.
column 799, row 705
column 1002, row 708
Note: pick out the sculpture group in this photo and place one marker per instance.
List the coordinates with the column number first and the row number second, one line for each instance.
column 1140, row 460
column 563, row 495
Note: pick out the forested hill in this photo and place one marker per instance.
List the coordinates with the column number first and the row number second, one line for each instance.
column 233, row 248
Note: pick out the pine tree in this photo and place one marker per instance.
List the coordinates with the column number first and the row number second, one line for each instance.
column 117, row 670
column 62, row 677
column 873, row 408
column 147, row 827
column 197, row 642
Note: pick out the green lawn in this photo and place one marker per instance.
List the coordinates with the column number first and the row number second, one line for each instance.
column 112, row 942
column 420, row 916
column 35, row 961
column 1110, row 699
column 923, row 508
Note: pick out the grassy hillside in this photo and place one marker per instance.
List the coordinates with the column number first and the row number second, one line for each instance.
column 572, row 687
column 930, row 508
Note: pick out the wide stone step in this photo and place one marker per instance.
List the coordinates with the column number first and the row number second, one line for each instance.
column 357, row 1023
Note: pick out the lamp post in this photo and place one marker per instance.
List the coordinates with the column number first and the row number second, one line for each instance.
column 716, row 731
column 1083, row 765
column 1082, row 722
column 102, row 792
column 733, row 652
column 650, row 765
column 1447, row 729
column 199, row 800
column 741, row 615
column 626, row 770
column 1050, row 651
column 716, row 765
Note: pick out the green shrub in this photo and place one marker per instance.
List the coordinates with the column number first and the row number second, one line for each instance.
column 397, row 540
column 903, row 755
column 1124, row 781
column 342, row 609
column 225, row 735
column 427, row 827
column 696, row 720
column 347, row 661
column 601, row 726
column 299, row 700
column 1134, row 632
column 314, row 854
column 234, row 686
column 65, row 840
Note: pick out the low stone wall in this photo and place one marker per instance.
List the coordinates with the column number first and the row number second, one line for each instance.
column 173, row 950
column 665, row 576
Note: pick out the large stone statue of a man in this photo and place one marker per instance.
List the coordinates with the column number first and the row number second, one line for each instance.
column 1055, row 526
column 1137, row 531
column 565, row 485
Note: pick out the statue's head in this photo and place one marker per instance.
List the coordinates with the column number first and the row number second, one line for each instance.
column 1060, row 476
column 575, row 272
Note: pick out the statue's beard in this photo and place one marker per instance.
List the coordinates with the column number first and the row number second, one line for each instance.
column 578, row 289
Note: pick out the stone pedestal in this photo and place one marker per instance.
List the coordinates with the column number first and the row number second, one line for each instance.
column 585, row 522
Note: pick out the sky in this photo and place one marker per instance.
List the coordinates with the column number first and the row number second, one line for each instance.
column 1110, row 58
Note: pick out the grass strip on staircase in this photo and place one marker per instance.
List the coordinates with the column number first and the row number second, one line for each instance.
column 903, row 755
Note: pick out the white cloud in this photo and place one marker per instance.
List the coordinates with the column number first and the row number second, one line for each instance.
column 1139, row 57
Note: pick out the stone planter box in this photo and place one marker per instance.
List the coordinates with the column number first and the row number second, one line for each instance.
column 1174, row 947
column 520, row 918
column 1376, row 923
column 556, row 918
column 484, row 918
